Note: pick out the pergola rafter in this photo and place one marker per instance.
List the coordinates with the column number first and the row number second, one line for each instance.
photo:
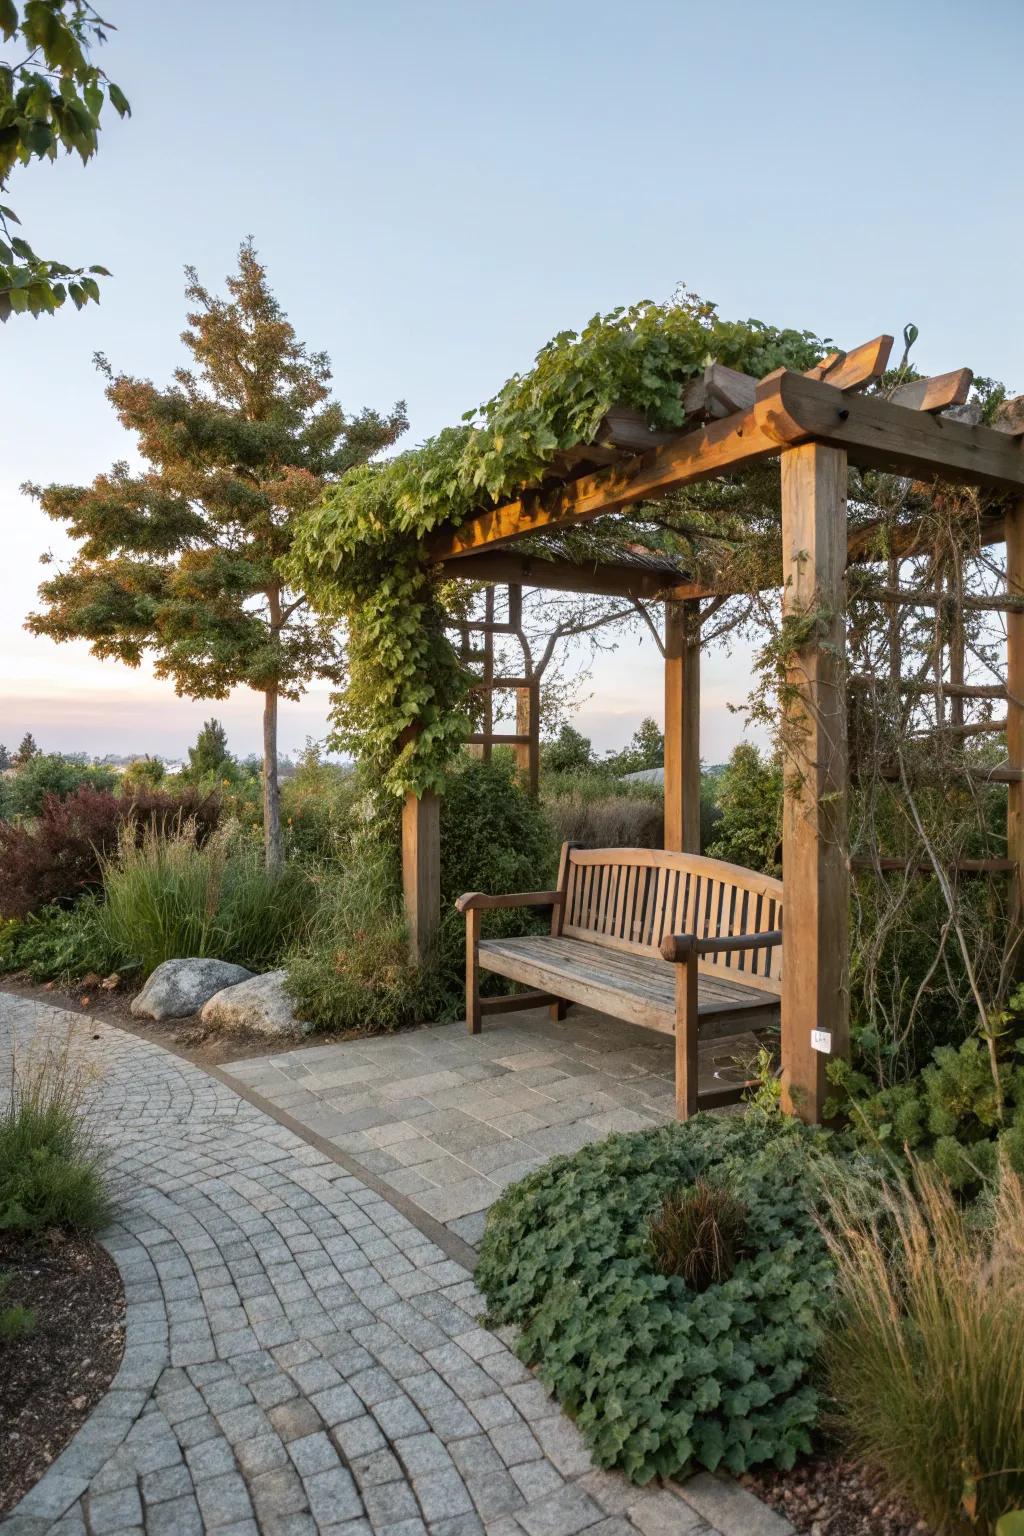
column 817, row 424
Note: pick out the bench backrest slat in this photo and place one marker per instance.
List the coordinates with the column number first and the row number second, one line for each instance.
column 631, row 898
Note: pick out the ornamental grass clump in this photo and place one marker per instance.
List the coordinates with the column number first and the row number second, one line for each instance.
column 51, row 1172
column 926, row 1360
column 698, row 1234
column 169, row 897
column 662, row 1372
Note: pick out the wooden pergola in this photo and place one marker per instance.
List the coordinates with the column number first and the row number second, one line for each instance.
column 816, row 424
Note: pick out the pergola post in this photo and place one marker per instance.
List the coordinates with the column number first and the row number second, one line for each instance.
column 682, row 726
column 1015, row 720
column 815, row 934
column 421, row 871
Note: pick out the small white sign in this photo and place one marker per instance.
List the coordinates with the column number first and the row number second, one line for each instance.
column 821, row 1040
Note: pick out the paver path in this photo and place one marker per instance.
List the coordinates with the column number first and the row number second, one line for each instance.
column 448, row 1120
column 300, row 1358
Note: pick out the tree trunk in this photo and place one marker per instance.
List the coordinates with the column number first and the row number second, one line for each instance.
column 272, row 842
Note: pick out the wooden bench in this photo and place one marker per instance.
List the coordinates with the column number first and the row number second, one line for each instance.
column 673, row 941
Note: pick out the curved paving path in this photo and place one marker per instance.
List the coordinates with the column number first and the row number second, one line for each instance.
column 300, row 1357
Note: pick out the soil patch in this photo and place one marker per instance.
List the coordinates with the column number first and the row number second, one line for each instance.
column 188, row 1037
column 52, row 1378
column 833, row 1496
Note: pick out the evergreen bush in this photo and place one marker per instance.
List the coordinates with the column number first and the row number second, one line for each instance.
column 956, row 1113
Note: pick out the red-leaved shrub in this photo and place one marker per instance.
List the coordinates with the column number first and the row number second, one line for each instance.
column 59, row 855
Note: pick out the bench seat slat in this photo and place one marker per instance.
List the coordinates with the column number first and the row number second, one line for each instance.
column 640, row 988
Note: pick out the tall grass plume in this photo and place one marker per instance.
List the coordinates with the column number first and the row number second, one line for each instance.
column 926, row 1361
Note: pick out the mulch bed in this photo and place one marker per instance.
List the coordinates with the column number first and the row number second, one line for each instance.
column 833, row 1496
column 51, row 1379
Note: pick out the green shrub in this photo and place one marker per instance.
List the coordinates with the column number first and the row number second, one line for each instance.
column 317, row 806
column 57, row 943
column 49, row 773
column 950, row 1113
column 924, row 1362
column 569, row 752
column 166, row 897
column 352, row 970
column 661, row 1377
column 749, row 799
column 50, row 1168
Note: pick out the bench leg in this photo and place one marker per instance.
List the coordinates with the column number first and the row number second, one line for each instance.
column 558, row 1010
column 686, row 1038
column 473, row 971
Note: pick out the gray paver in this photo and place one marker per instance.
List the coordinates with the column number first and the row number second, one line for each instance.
column 353, row 1392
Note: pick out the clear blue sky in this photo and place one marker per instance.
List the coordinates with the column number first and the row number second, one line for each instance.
column 437, row 188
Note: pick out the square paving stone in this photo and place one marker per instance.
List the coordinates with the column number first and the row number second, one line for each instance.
column 223, row 1499
column 278, row 1493
column 313, row 1453
column 176, row 1517
column 560, row 1514
column 112, row 1511
column 294, row 1418
column 263, row 1453
column 333, row 1495
column 388, row 1503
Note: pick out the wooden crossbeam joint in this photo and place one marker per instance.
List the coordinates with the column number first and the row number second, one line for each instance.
column 856, row 369
column 935, row 394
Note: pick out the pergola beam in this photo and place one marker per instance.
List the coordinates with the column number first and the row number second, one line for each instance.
column 890, row 437
column 791, row 409
column 716, row 449
column 603, row 578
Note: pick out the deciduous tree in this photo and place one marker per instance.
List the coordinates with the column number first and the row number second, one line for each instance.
column 182, row 560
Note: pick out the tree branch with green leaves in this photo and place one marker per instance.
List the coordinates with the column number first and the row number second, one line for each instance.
column 51, row 100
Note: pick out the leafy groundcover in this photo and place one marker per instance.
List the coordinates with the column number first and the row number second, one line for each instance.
column 660, row 1378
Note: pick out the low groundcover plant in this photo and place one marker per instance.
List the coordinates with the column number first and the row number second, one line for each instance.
column 660, row 1376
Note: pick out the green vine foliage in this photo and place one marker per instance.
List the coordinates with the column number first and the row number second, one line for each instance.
column 361, row 552
column 660, row 1377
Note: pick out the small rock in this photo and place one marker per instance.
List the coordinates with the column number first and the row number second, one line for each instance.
column 181, row 987
column 259, row 1006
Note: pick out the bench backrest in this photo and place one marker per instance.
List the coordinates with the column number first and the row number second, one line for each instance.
column 630, row 898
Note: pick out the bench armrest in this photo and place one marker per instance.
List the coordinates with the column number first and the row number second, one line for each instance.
column 680, row 946
column 476, row 901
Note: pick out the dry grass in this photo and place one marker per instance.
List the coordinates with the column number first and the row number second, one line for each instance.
column 613, row 821
column 926, row 1363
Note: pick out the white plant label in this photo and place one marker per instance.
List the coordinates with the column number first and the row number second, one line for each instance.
column 821, row 1040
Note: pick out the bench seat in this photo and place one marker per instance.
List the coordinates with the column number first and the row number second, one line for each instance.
column 638, row 988
column 676, row 942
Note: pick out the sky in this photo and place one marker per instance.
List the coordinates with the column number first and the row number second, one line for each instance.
column 436, row 189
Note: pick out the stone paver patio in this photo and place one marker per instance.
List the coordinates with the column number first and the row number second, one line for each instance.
column 448, row 1120
column 300, row 1357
